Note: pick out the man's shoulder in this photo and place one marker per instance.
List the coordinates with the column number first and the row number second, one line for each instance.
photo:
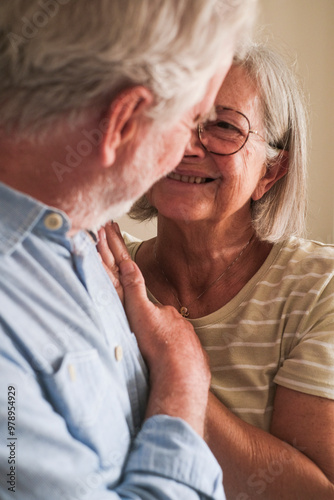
column 21, row 214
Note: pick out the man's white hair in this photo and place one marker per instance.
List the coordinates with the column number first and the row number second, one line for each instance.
column 63, row 57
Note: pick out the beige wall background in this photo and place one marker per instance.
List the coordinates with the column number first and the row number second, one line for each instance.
column 304, row 30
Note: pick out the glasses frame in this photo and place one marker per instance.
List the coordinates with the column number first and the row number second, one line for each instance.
column 200, row 128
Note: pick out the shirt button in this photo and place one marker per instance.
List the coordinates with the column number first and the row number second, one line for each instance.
column 118, row 353
column 53, row 221
column 72, row 373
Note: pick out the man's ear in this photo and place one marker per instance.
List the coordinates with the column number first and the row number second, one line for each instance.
column 274, row 172
column 121, row 120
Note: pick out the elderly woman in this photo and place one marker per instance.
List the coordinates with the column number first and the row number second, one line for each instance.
column 230, row 257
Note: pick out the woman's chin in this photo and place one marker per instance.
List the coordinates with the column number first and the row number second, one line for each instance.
column 181, row 214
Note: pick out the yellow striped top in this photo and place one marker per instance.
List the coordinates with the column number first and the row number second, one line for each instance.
column 279, row 329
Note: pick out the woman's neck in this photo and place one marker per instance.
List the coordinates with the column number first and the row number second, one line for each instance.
column 197, row 264
column 200, row 247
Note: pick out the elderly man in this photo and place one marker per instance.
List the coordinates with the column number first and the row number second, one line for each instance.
column 98, row 100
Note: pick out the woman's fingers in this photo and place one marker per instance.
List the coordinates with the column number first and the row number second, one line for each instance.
column 126, row 277
column 116, row 243
column 104, row 250
column 109, row 263
column 136, row 303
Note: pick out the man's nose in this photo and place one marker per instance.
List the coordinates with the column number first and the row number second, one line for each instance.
column 194, row 146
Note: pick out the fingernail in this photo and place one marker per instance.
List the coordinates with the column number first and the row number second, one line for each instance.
column 102, row 234
column 116, row 227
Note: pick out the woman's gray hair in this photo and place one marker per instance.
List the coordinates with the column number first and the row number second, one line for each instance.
column 63, row 57
column 281, row 212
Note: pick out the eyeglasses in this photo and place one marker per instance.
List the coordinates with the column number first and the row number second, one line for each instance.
column 227, row 134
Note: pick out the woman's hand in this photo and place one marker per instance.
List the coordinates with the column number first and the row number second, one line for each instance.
column 179, row 372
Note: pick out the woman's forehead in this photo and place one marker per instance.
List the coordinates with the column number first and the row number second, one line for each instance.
column 238, row 91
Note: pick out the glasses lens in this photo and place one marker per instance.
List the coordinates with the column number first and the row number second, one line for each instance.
column 227, row 134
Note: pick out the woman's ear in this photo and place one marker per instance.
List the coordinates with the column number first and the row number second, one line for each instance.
column 122, row 120
column 274, row 172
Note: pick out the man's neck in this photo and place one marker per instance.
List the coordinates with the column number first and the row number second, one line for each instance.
column 33, row 169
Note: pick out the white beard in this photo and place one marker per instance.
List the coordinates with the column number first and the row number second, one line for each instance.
column 91, row 210
column 113, row 193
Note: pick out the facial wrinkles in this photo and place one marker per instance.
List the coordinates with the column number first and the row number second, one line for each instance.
column 205, row 110
column 252, row 150
column 239, row 92
column 257, row 116
column 238, row 173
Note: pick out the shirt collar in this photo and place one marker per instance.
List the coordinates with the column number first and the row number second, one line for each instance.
column 20, row 213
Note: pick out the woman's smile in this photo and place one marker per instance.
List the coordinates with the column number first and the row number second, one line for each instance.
column 189, row 179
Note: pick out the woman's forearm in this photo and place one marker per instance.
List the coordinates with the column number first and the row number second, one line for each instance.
column 257, row 465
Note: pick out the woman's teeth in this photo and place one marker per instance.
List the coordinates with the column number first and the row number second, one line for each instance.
column 187, row 178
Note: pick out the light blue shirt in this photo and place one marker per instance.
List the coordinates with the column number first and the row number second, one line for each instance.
column 73, row 385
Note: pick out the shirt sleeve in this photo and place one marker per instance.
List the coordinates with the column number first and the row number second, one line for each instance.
column 40, row 459
column 309, row 365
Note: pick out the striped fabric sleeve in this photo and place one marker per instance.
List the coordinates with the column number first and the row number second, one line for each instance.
column 309, row 367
